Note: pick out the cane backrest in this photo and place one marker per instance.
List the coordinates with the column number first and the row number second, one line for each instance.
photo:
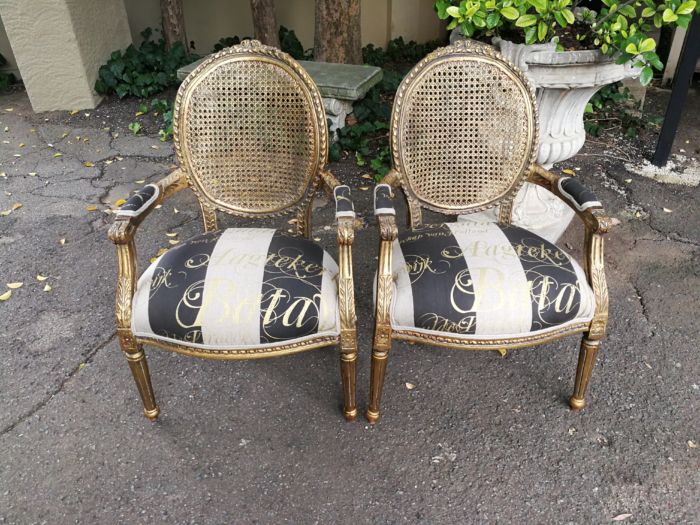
column 464, row 129
column 250, row 131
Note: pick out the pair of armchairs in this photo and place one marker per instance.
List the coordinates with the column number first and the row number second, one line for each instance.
column 251, row 137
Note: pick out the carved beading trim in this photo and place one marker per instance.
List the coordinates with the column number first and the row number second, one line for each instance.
column 254, row 49
column 247, row 353
column 456, row 50
column 466, row 343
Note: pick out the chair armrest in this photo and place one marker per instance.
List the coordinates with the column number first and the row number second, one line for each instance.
column 580, row 199
column 344, row 206
column 385, row 212
column 137, row 208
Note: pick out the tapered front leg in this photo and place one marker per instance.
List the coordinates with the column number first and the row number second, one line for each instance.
column 586, row 362
column 139, row 369
column 348, row 373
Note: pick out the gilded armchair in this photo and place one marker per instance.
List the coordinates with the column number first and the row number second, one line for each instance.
column 463, row 139
column 250, row 135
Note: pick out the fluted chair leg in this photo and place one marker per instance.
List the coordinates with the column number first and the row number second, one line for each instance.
column 586, row 362
column 139, row 369
column 376, row 382
column 348, row 373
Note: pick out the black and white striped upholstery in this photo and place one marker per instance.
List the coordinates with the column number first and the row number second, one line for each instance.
column 485, row 279
column 238, row 288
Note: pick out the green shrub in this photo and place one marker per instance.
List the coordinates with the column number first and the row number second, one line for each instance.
column 143, row 71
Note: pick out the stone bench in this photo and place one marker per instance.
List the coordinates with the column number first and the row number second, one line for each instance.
column 340, row 85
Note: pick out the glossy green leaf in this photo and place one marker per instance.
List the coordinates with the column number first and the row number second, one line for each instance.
column 646, row 76
column 669, row 16
column 568, row 15
column 511, row 13
column 526, row 21
column 647, row 44
column 686, row 8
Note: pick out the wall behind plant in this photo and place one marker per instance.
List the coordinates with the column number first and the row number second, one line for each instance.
column 208, row 21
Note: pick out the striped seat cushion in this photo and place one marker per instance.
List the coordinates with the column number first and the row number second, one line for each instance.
column 485, row 279
column 238, row 288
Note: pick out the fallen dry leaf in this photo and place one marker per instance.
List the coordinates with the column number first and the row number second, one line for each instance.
column 621, row 517
column 627, row 181
column 58, row 154
column 5, row 213
column 120, row 202
column 363, row 188
column 153, row 259
column 14, row 286
column 89, row 164
column 6, row 295
column 503, row 352
column 692, row 444
column 161, row 251
column 108, row 162
column 16, row 206
column 138, row 113
column 32, row 173
column 41, row 278
column 74, row 112
column 21, row 145
column 667, row 210
column 317, row 239
column 155, row 146
column 47, row 288
column 366, row 176
column 569, row 172
column 173, row 241
column 62, row 241
column 171, row 234
column 139, row 181
column 175, row 210
column 410, row 386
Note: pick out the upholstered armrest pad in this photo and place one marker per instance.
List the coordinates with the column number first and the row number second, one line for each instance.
column 577, row 194
column 139, row 202
column 343, row 202
column 383, row 204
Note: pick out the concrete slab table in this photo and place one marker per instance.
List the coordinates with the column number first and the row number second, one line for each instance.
column 340, row 85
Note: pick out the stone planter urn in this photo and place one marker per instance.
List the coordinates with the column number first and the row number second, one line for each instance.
column 564, row 82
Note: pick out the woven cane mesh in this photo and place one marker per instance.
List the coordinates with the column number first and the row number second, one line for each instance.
column 465, row 132
column 249, row 135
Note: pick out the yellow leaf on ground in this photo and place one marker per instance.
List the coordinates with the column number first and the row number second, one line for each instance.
column 692, row 444
column 503, row 352
column 627, row 181
column 153, row 259
column 108, row 162
column 138, row 113
column 16, row 206
column 139, row 181
column 155, row 146
column 9, row 109
column 173, row 241
column 7, row 128
column 621, row 517
column 91, row 207
column 3, row 175
column 47, row 288
column 161, row 251
column 366, row 176
column 171, row 234
column 88, row 164
column 74, row 112
column 6, row 295
column 64, row 135
column 5, row 213
column 58, row 154
column 410, row 386
column 159, row 206
column 667, row 210
column 21, row 144
column 14, row 286
column 120, row 202
column 32, row 173
column 62, row 241
column 363, row 188
column 175, row 210
column 569, row 172
column 41, row 278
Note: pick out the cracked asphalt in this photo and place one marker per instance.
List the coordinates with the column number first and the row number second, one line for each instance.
column 480, row 439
